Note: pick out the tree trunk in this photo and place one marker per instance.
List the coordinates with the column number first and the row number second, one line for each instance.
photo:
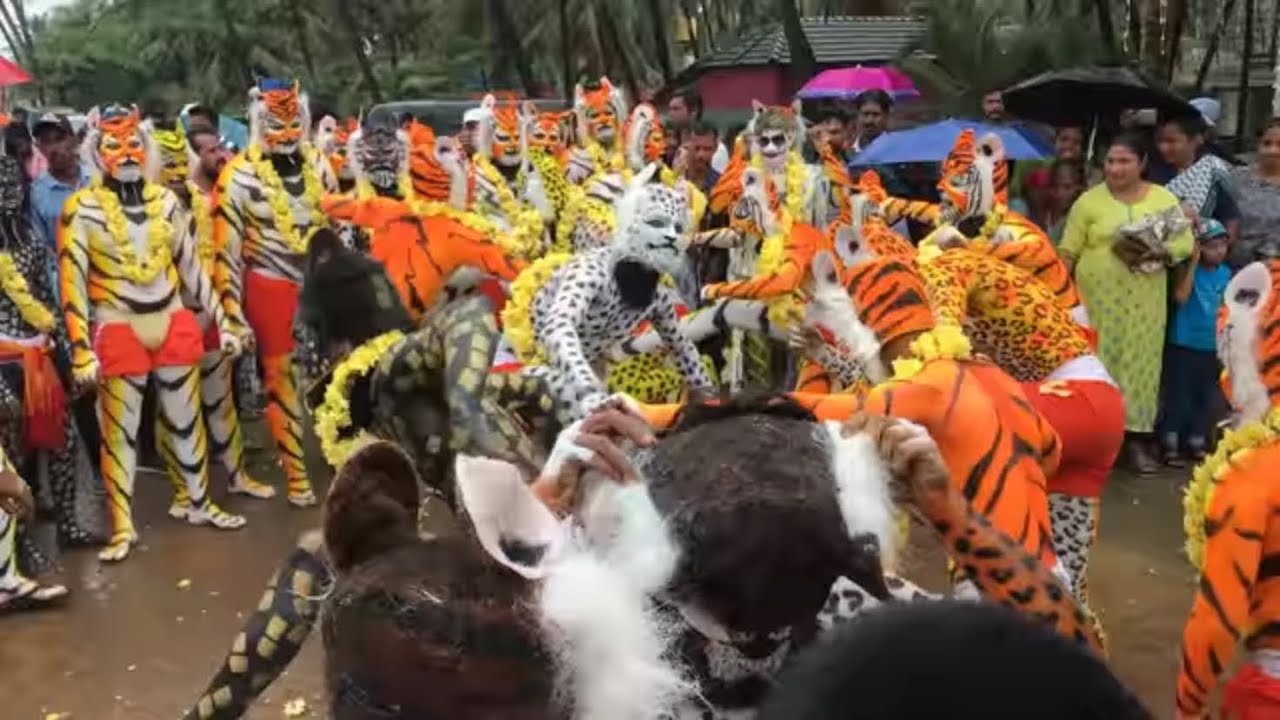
column 356, row 39
column 707, row 26
column 510, row 48
column 661, row 22
column 1106, row 28
column 1214, row 41
column 298, row 22
column 1152, row 38
column 1133, row 31
column 612, row 44
column 803, row 65
column 1175, row 23
column 569, row 75
column 1246, row 54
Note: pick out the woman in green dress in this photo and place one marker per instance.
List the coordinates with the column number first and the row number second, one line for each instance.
column 1125, row 298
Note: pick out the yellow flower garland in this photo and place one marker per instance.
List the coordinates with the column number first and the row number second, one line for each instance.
column 517, row 315
column 404, row 188
column 333, row 417
column 581, row 204
column 1232, row 448
column 159, row 257
column 526, row 223
column 606, row 161
column 944, row 342
column 278, row 198
column 784, row 310
column 504, row 240
column 796, row 176
column 200, row 208
column 15, row 287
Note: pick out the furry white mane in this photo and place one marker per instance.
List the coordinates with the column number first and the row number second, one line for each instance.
column 831, row 307
column 637, row 136
column 1247, row 296
column 862, row 489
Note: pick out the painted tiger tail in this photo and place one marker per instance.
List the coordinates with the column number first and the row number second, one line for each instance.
column 271, row 637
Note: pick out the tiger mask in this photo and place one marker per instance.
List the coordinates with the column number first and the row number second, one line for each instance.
column 278, row 116
column 756, row 211
column 600, row 108
column 437, row 168
column 1249, row 339
column 975, row 178
column 646, row 141
column 547, row 132
column 378, row 153
column 774, row 132
column 501, row 135
column 118, row 146
column 174, row 156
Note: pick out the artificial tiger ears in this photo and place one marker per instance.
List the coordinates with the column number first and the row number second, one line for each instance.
column 992, row 147
column 758, row 107
column 824, row 264
column 489, row 102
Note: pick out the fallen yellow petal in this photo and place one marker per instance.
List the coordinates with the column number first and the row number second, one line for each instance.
column 184, row 583
column 295, row 708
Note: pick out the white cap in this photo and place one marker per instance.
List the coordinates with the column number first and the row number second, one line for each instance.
column 475, row 114
column 1210, row 110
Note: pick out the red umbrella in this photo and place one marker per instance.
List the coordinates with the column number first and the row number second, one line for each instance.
column 11, row 74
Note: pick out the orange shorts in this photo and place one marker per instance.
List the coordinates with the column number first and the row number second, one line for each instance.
column 270, row 305
column 120, row 353
column 1088, row 416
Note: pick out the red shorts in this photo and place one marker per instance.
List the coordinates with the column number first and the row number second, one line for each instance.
column 1251, row 694
column 1088, row 416
column 270, row 305
column 121, row 353
column 212, row 339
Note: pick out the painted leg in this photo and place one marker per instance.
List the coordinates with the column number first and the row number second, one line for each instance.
column 284, row 415
column 223, row 423
column 18, row 592
column 119, row 412
column 1075, row 529
column 180, row 505
column 271, row 637
column 178, row 403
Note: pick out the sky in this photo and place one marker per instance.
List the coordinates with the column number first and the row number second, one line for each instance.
column 35, row 7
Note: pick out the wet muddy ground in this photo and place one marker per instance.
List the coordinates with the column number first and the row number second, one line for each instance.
column 136, row 642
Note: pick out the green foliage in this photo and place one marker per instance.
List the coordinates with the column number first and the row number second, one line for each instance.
column 972, row 47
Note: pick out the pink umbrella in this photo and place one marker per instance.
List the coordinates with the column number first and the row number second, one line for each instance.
column 11, row 74
column 849, row 82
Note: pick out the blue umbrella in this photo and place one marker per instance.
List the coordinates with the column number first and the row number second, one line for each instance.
column 931, row 143
column 233, row 131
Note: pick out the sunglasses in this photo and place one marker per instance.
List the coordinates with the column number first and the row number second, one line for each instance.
column 773, row 140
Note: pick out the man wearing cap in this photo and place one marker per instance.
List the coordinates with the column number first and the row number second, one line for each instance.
column 467, row 136
column 64, row 175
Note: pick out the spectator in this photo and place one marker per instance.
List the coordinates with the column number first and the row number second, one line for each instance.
column 829, row 128
column 1066, row 183
column 1201, row 180
column 1193, row 370
column 64, row 176
column 1258, row 197
column 993, row 107
column 467, row 136
column 685, row 109
column 873, row 108
column 697, row 152
column 1032, row 179
column 1126, row 304
column 897, row 661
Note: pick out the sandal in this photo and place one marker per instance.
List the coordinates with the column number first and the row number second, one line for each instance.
column 31, row 595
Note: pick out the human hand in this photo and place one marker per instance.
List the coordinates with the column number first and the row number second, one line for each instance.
column 84, row 375
column 230, row 344
column 15, row 495
column 920, row 476
column 806, row 339
column 594, row 443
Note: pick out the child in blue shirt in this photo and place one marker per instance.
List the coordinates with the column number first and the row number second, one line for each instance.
column 1191, row 359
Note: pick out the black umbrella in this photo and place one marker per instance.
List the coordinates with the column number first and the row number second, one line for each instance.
column 1083, row 96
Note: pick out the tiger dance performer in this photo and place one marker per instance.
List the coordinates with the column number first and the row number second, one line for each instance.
column 140, row 328
column 570, row 310
column 258, row 268
column 191, row 164
column 1233, row 517
column 400, row 384
column 599, row 109
column 504, row 178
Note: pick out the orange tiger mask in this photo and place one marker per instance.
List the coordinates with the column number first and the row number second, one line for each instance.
column 121, row 150
column 279, row 114
column 600, row 110
column 975, row 177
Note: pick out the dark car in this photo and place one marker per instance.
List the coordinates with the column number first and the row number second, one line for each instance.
column 445, row 116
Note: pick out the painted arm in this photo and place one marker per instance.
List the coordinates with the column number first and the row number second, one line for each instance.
column 1004, row 571
column 804, row 243
column 663, row 316
column 73, row 269
column 197, row 286
column 1235, row 529
column 271, row 637
column 230, row 228
column 949, row 283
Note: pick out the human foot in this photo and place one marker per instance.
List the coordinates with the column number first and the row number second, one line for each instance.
column 246, row 485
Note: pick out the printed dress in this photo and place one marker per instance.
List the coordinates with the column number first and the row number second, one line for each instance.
column 1127, row 309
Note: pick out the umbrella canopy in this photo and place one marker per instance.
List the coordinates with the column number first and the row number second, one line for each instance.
column 931, row 143
column 11, row 74
column 849, row 82
column 1082, row 96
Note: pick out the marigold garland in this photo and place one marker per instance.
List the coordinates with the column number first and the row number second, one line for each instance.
column 278, row 198
column 14, row 286
column 203, row 213
column 525, row 222
column 333, row 417
column 504, row 240
column 159, row 254
column 605, row 161
column 1232, row 449
column 582, row 205
column 796, row 176
column 943, row 342
column 517, row 315
column 404, row 188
